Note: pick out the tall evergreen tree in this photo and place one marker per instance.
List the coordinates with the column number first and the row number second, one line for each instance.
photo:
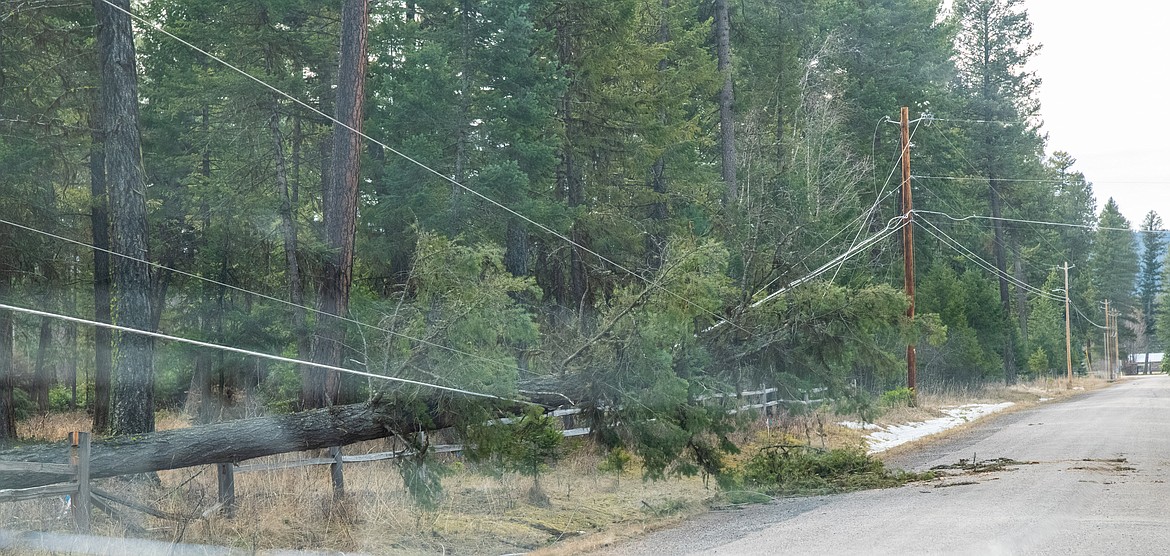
column 992, row 49
column 134, row 361
column 1114, row 262
column 1150, row 275
column 340, row 205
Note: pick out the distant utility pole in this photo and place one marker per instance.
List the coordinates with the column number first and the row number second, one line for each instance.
column 908, row 249
column 1116, row 345
column 1067, row 328
column 1105, row 343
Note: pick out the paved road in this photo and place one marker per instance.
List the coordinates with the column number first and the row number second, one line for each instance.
column 1100, row 485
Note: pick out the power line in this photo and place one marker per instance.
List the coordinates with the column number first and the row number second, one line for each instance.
column 158, row 27
column 988, row 266
column 1043, row 180
column 258, row 294
column 930, row 118
column 963, row 250
column 1025, row 221
column 809, row 254
column 891, row 228
column 840, row 259
column 251, row 353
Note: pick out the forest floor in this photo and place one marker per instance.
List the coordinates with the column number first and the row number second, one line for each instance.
column 480, row 512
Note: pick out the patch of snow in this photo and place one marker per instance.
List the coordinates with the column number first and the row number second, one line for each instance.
column 858, row 426
column 896, row 435
column 1044, row 399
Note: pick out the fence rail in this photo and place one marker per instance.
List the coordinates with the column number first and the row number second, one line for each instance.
column 77, row 487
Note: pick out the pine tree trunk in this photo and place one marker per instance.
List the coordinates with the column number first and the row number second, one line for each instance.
column 7, row 403
column 1009, row 352
column 42, row 372
column 340, row 200
column 1021, row 294
column 72, row 346
column 288, row 230
column 133, row 363
column 656, row 239
column 516, row 248
column 100, row 225
column 726, row 99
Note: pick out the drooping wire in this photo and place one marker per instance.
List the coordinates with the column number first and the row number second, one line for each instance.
column 946, row 239
column 992, row 269
column 1025, row 221
column 259, row 354
column 259, row 295
column 892, row 227
column 158, row 27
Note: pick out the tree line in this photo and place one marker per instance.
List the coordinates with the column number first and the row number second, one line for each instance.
column 601, row 201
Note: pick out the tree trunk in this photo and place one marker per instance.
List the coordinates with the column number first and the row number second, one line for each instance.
column 656, row 239
column 133, row 364
column 229, row 441
column 72, row 347
column 7, row 403
column 42, row 372
column 726, row 99
column 516, row 250
column 1021, row 294
column 288, row 229
column 569, row 182
column 1009, row 352
column 100, row 224
column 340, row 204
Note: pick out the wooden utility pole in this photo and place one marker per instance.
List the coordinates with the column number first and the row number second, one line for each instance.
column 1067, row 328
column 908, row 249
column 1116, row 345
column 1105, row 344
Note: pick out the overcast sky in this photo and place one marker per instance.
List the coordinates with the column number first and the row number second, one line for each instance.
column 1105, row 96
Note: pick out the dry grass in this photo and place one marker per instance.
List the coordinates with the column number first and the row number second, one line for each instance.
column 481, row 512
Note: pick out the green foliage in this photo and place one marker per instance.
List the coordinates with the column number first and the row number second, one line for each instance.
column 1038, row 362
column 59, row 398
column 423, row 478
column 796, row 470
column 617, row 460
column 902, row 397
column 527, row 445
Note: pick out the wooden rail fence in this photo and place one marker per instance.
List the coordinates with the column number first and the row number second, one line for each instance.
column 82, row 496
column 76, row 485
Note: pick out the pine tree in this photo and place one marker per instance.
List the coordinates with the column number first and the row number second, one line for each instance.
column 1149, row 284
column 993, row 47
column 1114, row 261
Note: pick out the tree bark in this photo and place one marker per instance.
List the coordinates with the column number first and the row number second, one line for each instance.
column 100, row 225
column 1009, row 352
column 133, row 364
column 288, row 229
column 726, row 99
column 229, row 441
column 7, row 403
column 656, row 239
column 42, row 373
column 340, row 204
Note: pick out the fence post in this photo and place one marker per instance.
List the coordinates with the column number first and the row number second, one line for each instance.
column 227, row 488
column 80, row 459
column 336, row 473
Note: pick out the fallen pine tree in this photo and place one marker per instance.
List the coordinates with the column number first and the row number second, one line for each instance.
column 229, row 441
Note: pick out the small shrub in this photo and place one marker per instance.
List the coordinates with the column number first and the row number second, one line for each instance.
column 901, row 397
